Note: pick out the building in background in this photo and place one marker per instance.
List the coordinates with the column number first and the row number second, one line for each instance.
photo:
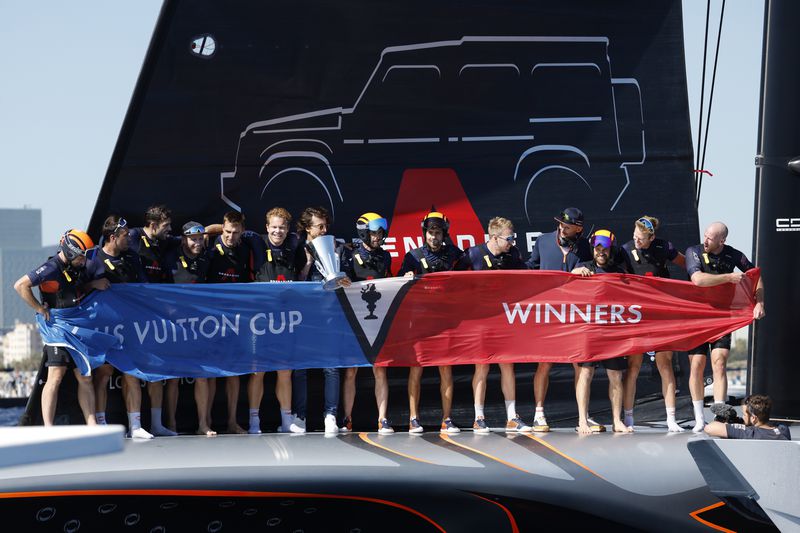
column 21, row 343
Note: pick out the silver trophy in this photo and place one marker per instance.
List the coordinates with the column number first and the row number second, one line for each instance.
column 323, row 249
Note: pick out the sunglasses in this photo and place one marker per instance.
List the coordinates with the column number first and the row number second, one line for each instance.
column 194, row 230
column 647, row 224
column 510, row 239
column 121, row 224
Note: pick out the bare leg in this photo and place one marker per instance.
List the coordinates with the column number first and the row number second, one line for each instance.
column 100, row 378
column 615, row 393
column 255, row 390
column 719, row 362
column 133, row 393
column 582, row 391
column 171, row 403
column 664, row 364
column 201, row 400
column 414, row 389
column 283, row 389
column 478, row 385
column 349, row 391
column 697, row 364
column 86, row 397
column 446, row 390
column 381, row 391
column 232, row 394
column 50, row 393
column 212, row 392
column 541, row 381
column 634, row 366
column 508, row 381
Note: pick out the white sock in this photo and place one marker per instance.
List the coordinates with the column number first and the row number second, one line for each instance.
column 286, row 419
column 478, row 411
column 100, row 416
column 672, row 424
column 255, row 422
column 134, row 420
column 155, row 418
column 511, row 409
column 698, row 410
column 539, row 413
column 628, row 420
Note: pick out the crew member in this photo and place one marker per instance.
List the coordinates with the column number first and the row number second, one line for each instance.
column 498, row 253
column 63, row 280
column 368, row 261
column 282, row 261
column 755, row 412
column 649, row 256
column 435, row 255
column 713, row 263
column 152, row 243
column 232, row 260
column 606, row 259
column 561, row 250
column 189, row 264
column 314, row 223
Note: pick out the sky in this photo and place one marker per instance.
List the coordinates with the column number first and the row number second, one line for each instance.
column 69, row 69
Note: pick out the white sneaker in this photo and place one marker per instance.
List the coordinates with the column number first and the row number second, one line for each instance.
column 140, row 433
column 330, row 425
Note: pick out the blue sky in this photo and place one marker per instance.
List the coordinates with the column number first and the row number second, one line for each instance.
column 69, row 69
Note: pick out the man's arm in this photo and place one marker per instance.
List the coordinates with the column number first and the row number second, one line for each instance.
column 759, row 311
column 716, row 429
column 703, row 279
column 24, row 288
column 534, row 261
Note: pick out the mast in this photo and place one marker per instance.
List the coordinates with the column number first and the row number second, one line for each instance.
column 774, row 364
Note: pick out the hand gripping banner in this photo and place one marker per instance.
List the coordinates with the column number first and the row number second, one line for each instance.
column 163, row 331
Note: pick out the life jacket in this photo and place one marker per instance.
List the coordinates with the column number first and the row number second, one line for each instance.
column 230, row 265
column 152, row 257
column 649, row 262
column 190, row 269
column 436, row 262
column 370, row 265
column 67, row 290
column 121, row 269
column 279, row 263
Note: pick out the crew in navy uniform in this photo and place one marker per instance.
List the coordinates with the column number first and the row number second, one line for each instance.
column 755, row 414
column 232, row 260
column 498, row 253
column 435, row 255
column 153, row 243
column 713, row 263
column 649, row 256
column 314, row 223
column 63, row 280
column 281, row 261
column 607, row 259
column 121, row 265
column 189, row 264
column 368, row 261
column 562, row 250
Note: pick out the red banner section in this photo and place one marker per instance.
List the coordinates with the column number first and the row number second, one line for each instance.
column 456, row 318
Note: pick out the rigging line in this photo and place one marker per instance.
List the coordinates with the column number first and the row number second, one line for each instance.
column 711, row 99
column 702, row 98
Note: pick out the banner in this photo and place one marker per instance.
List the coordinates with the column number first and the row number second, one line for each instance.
column 163, row 331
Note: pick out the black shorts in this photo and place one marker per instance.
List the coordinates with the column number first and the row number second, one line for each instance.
column 58, row 356
column 703, row 349
column 615, row 363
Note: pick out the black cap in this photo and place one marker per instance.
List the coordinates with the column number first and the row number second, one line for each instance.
column 193, row 228
column 570, row 215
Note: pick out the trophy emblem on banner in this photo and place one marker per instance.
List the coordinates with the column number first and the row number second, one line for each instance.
column 323, row 249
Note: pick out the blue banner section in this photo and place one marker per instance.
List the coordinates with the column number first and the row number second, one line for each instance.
column 164, row 331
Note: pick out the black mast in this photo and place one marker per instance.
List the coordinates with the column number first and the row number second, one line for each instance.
column 774, row 364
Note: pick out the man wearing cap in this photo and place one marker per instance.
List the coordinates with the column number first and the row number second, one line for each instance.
column 63, row 280
column 561, row 250
column 498, row 253
column 607, row 259
column 189, row 264
column 713, row 263
column 368, row 260
column 435, row 255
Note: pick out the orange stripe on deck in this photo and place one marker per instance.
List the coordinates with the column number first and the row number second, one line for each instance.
column 695, row 515
column 514, row 527
column 492, row 457
column 211, row 493
column 366, row 439
column 562, row 454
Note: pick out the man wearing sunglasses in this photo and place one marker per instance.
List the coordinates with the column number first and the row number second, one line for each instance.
column 368, row 260
column 607, row 259
column 498, row 253
column 713, row 263
column 63, row 280
column 562, row 250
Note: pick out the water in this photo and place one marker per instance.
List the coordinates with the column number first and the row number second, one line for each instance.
column 9, row 416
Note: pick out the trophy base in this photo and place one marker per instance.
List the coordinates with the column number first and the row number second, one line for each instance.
column 331, row 284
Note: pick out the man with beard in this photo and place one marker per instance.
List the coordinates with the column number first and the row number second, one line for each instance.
column 435, row 255
column 282, row 261
column 498, row 253
column 648, row 256
column 607, row 259
column 232, row 260
column 152, row 243
column 561, row 250
column 63, row 280
column 368, row 261
column 709, row 264
column 189, row 264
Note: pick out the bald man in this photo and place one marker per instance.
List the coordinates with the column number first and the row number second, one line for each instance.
column 713, row 263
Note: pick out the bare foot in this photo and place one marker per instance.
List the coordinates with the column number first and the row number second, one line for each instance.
column 237, row 429
column 205, row 430
column 584, row 429
column 619, row 427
